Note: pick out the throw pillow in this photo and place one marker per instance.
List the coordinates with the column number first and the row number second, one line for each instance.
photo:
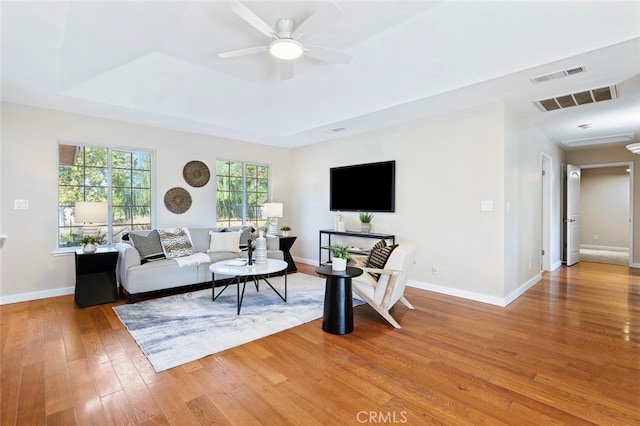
column 378, row 259
column 224, row 241
column 149, row 247
column 380, row 244
column 175, row 242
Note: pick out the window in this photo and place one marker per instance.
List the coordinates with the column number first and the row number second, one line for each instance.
column 119, row 178
column 242, row 189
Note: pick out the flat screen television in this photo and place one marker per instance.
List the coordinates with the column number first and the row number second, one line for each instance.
column 367, row 187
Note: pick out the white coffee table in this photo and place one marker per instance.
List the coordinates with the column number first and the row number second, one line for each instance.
column 243, row 273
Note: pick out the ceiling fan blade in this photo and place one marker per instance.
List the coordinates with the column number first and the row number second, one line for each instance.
column 243, row 52
column 286, row 70
column 252, row 19
column 319, row 21
column 328, row 55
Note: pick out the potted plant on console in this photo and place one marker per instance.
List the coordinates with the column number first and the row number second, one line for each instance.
column 365, row 221
column 90, row 243
column 339, row 257
column 285, row 230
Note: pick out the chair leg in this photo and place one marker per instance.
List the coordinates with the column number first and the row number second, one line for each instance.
column 406, row 302
column 389, row 318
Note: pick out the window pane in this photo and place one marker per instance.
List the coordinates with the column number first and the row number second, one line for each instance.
column 141, row 179
column 96, row 157
column 120, row 178
column 91, row 174
column 121, row 160
column 241, row 193
column 141, row 161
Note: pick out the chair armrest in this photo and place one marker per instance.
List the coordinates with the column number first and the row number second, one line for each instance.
column 380, row 271
column 358, row 260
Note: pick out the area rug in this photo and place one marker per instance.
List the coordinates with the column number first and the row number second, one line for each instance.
column 177, row 329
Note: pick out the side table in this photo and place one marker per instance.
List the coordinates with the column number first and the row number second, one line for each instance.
column 96, row 277
column 285, row 245
column 338, row 300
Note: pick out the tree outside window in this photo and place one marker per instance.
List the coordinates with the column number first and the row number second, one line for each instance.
column 241, row 191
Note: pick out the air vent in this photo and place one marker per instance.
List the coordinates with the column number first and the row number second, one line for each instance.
column 558, row 74
column 580, row 98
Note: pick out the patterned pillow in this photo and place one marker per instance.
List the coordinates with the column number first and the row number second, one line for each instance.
column 378, row 259
column 175, row 242
column 380, row 244
column 149, row 247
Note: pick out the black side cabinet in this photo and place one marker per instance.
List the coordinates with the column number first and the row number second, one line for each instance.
column 285, row 245
column 96, row 277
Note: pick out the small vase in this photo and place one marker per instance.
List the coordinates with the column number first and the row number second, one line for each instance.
column 260, row 254
column 365, row 227
column 338, row 264
column 285, row 233
column 89, row 248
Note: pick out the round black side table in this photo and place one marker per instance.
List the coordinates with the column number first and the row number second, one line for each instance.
column 338, row 301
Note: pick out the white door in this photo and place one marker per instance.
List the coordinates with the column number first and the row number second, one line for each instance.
column 573, row 215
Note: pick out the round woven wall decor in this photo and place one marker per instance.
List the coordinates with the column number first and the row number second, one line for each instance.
column 196, row 173
column 177, row 200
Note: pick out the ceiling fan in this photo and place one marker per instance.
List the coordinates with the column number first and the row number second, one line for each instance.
column 286, row 45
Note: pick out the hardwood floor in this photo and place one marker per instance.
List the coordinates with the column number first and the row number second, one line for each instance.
column 567, row 352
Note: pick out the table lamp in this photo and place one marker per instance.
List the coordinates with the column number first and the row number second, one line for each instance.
column 272, row 211
column 90, row 213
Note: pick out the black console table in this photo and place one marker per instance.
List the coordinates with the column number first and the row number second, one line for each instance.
column 96, row 277
column 328, row 233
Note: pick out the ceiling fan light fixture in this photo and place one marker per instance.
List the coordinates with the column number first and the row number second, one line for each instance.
column 286, row 49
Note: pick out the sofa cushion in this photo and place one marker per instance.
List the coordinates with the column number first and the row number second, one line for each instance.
column 148, row 246
column 224, row 241
column 175, row 242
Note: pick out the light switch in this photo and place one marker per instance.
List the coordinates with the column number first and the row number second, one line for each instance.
column 21, row 204
column 486, row 206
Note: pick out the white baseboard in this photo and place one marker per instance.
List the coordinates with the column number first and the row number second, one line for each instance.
column 608, row 248
column 36, row 295
column 556, row 265
column 478, row 297
column 522, row 289
column 312, row 262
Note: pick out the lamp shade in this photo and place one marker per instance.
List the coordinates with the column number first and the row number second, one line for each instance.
column 90, row 212
column 273, row 209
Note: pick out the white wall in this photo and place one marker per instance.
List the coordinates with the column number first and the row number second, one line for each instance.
column 524, row 147
column 30, row 171
column 446, row 166
column 604, row 207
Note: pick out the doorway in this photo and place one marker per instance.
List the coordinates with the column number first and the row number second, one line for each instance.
column 606, row 206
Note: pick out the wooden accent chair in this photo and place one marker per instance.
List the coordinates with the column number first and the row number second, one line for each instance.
column 389, row 288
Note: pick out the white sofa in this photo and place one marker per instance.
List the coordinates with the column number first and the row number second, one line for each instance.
column 135, row 276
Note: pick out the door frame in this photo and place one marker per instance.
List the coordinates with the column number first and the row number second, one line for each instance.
column 629, row 165
column 546, row 195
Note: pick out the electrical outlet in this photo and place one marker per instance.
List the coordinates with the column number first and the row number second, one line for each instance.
column 434, row 270
column 595, row 237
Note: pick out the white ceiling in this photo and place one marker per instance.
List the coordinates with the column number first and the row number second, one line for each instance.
column 156, row 63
